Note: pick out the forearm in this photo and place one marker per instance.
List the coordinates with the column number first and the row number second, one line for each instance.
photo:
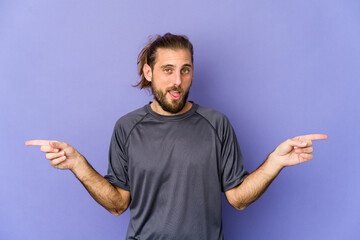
column 255, row 184
column 99, row 188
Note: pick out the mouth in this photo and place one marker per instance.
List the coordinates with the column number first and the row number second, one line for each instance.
column 176, row 95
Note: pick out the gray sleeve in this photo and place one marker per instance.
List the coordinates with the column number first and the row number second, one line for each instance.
column 118, row 160
column 233, row 170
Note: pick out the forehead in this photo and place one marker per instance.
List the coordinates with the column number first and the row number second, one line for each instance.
column 172, row 56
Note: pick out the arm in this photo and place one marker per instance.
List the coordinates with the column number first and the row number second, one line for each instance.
column 64, row 156
column 291, row 152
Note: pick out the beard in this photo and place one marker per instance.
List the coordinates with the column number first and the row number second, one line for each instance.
column 172, row 106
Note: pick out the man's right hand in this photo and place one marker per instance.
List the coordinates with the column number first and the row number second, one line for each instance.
column 64, row 156
column 60, row 154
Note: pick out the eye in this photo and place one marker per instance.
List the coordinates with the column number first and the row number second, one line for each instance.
column 185, row 70
column 167, row 70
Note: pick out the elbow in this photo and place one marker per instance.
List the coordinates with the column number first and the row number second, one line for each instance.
column 118, row 211
column 115, row 213
column 241, row 206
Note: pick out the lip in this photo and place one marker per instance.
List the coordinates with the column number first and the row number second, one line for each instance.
column 176, row 96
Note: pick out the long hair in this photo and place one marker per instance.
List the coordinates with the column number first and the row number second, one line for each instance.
column 148, row 53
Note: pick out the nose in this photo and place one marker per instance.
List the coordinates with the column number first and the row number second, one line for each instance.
column 177, row 79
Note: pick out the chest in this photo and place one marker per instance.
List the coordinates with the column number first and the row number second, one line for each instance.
column 173, row 149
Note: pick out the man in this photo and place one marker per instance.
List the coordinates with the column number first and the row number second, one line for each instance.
column 171, row 159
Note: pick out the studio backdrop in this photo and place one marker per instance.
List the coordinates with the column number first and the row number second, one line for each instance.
column 277, row 69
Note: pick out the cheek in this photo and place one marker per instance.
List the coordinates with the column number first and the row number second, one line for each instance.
column 160, row 81
column 187, row 83
column 164, row 80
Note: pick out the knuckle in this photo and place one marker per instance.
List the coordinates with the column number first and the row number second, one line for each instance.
column 55, row 162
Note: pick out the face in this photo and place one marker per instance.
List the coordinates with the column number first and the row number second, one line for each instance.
column 171, row 79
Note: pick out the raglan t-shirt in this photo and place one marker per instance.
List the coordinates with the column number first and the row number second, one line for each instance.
column 175, row 168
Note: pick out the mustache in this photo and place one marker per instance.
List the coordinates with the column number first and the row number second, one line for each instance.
column 173, row 88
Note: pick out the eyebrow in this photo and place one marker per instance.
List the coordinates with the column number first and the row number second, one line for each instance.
column 171, row 65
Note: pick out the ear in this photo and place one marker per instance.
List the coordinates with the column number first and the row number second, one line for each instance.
column 147, row 72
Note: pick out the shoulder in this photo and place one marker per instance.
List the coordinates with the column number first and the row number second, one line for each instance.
column 215, row 118
column 219, row 121
column 126, row 123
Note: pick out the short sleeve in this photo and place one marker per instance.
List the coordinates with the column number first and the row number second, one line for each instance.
column 118, row 161
column 232, row 168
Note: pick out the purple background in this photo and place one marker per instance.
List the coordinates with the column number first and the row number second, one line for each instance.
column 277, row 69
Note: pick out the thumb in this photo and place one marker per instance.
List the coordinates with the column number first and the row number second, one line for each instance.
column 57, row 144
column 289, row 145
column 297, row 143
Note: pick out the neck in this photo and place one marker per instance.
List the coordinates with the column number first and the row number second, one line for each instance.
column 155, row 106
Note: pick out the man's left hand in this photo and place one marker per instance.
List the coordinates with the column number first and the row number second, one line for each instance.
column 296, row 150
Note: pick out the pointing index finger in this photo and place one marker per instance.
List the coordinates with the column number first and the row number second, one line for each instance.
column 315, row 137
column 37, row 143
